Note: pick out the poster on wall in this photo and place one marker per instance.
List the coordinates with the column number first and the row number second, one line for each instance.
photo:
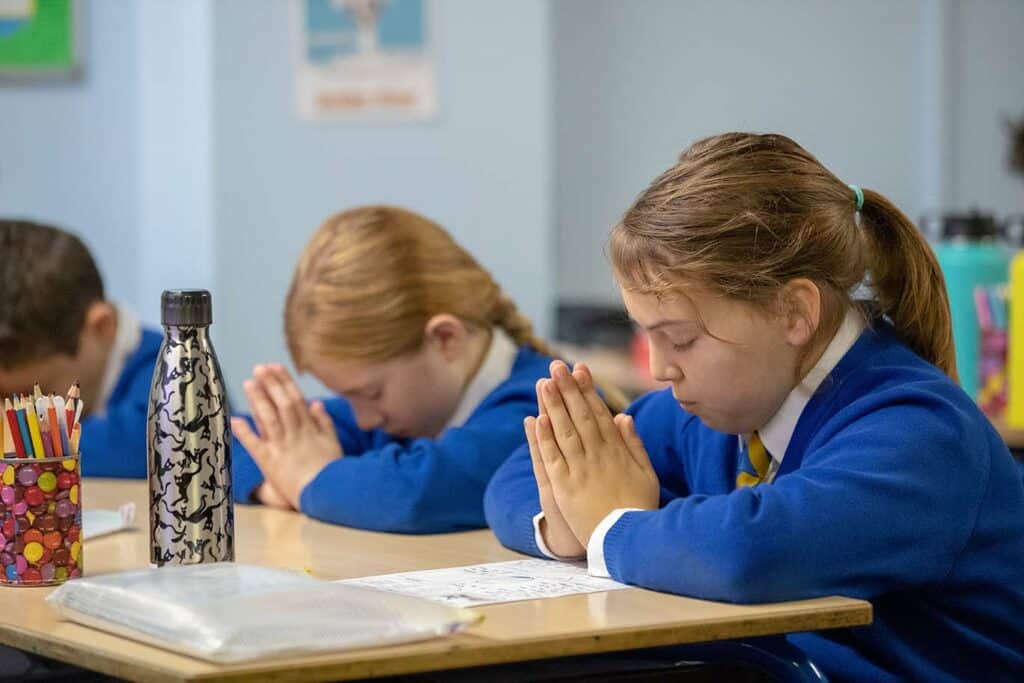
column 38, row 39
column 365, row 60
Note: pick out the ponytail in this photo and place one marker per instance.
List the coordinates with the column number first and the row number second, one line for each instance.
column 517, row 326
column 908, row 282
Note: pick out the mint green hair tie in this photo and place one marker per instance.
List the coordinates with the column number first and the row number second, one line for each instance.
column 860, row 196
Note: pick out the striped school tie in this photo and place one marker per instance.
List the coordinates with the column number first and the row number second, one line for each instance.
column 755, row 467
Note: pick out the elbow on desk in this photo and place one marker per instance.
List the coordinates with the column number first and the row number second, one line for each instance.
column 752, row 574
column 413, row 512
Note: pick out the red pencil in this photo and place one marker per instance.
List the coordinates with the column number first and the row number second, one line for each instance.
column 12, row 422
column 69, row 406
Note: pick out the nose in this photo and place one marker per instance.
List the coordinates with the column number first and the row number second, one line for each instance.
column 662, row 368
column 368, row 418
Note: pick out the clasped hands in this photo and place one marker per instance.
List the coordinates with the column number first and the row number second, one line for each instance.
column 293, row 441
column 586, row 462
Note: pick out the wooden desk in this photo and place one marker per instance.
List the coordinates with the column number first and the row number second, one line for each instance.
column 597, row 622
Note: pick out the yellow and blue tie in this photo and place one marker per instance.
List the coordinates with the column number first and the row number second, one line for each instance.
column 755, row 468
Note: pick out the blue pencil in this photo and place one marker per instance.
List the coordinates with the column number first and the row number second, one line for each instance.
column 26, row 436
column 998, row 305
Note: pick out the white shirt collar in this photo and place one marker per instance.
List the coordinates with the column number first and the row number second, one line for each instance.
column 497, row 365
column 126, row 340
column 776, row 434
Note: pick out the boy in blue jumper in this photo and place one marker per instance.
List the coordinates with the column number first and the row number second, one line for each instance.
column 56, row 327
column 435, row 365
column 809, row 445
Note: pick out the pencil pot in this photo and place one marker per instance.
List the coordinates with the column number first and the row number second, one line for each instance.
column 992, row 371
column 41, row 513
column 1015, row 354
column 970, row 256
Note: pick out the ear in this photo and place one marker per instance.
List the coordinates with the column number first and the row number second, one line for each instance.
column 100, row 322
column 801, row 311
column 448, row 334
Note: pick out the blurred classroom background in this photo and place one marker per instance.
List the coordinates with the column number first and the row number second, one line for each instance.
column 178, row 149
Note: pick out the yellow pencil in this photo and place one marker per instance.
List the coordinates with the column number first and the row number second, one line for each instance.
column 33, row 428
column 8, row 439
column 76, row 436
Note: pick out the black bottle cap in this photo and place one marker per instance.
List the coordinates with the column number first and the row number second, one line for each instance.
column 186, row 307
column 973, row 226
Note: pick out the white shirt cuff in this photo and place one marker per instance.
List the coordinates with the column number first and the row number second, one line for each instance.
column 538, row 538
column 595, row 548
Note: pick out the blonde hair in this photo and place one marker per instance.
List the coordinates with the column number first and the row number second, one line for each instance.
column 742, row 214
column 370, row 279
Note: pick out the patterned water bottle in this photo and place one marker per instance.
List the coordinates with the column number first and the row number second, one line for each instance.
column 191, row 516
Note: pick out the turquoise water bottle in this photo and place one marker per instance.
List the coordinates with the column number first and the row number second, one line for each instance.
column 970, row 254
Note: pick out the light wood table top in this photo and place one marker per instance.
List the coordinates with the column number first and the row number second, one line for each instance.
column 598, row 622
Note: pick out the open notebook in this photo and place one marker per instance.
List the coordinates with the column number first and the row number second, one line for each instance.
column 229, row 612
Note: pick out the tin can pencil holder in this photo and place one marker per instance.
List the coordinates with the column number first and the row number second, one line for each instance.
column 40, row 520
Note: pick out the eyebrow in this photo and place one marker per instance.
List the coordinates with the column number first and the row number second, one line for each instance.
column 663, row 323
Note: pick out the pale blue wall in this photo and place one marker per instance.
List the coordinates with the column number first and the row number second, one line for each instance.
column 480, row 168
column 905, row 97
column 182, row 162
column 69, row 151
column 989, row 87
column 180, row 158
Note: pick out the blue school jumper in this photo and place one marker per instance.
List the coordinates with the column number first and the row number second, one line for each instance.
column 894, row 489
column 418, row 486
column 114, row 442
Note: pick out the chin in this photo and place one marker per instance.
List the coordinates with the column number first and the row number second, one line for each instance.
column 724, row 426
column 411, row 433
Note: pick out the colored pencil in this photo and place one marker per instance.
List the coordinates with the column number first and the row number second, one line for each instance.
column 8, row 439
column 69, row 406
column 33, row 426
column 982, row 308
column 55, row 428
column 76, row 436
column 26, row 436
column 65, row 432
column 44, row 435
column 13, row 430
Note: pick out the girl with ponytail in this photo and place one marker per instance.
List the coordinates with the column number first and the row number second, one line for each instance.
column 810, row 444
column 435, row 368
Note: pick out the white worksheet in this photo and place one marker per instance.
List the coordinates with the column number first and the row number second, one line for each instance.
column 481, row 584
column 102, row 522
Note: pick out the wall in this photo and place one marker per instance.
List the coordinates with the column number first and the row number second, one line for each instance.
column 902, row 97
column 69, row 150
column 480, row 168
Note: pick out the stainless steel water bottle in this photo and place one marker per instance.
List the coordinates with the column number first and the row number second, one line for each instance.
column 191, row 515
